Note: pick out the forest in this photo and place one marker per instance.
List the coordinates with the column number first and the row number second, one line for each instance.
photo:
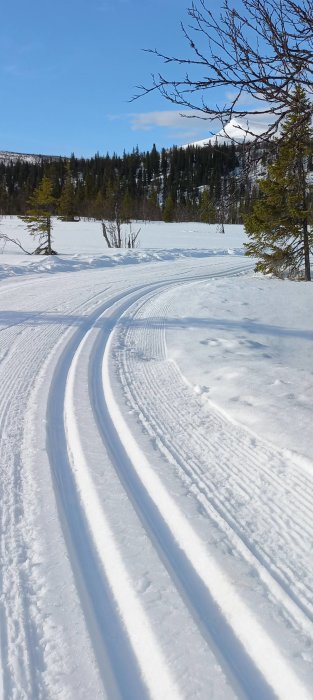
column 215, row 183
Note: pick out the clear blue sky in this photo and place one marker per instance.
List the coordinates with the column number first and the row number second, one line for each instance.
column 68, row 69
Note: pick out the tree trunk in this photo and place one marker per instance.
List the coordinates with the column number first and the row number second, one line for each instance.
column 49, row 248
column 303, row 174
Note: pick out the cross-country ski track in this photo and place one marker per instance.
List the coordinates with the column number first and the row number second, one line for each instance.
column 151, row 547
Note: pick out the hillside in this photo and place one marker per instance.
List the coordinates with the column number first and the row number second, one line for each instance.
column 10, row 157
column 143, row 183
column 209, row 182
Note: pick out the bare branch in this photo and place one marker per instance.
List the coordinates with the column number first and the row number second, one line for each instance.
column 259, row 50
column 16, row 241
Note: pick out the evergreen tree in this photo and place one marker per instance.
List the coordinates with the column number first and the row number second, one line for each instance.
column 169, row 208
column 153, row 208
column 278, row 227
column 3, row 197
column 207, row 209
column 66, row 207
column 126, row 208
column 38, row 217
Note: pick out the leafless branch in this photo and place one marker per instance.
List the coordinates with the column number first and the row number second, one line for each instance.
column 259, row 50
column 16, row 241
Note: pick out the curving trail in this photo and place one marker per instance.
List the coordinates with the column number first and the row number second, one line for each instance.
column 150, row 548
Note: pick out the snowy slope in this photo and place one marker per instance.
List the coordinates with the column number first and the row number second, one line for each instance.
column 12, row 157
column 236, row 131
column 156, row 529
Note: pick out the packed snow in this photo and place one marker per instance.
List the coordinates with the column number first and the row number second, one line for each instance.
column 156, row 470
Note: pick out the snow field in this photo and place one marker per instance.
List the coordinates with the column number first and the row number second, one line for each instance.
column 156, row 523
column 163, row 405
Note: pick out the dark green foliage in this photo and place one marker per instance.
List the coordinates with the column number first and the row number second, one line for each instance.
column 85, row 187
column 168, row 211
column 278, row 227
column 38, row 217
column 207, row 209
column 67, row 203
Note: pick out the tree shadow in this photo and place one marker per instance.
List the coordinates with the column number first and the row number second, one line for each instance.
column 35, row 318
column 220, row 324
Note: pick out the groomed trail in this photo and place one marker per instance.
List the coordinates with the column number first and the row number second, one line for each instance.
column 150, row 547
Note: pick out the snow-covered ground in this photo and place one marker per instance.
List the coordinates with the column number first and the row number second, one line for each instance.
column 156, row 470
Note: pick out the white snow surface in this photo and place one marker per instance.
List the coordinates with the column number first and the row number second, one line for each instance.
column 236, row 131
column 156, row 470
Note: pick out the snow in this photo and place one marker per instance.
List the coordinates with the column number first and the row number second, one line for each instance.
column 85, row 237
column 236, row 131
column 246, row 347
column 11, row 157
column 156, row 470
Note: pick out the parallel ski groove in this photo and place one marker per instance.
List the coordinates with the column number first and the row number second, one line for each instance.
column 138, row 378
column 33, row 339
column 20, row 639
column 63, row 471
column 91, row 581
column 150, row 376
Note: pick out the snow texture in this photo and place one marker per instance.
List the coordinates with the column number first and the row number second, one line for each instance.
column 156, row 471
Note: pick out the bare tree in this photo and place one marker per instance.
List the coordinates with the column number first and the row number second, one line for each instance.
column 114, row 228
column 6, row 239
column 116, row 236
column 132, row 237
column 248, row 58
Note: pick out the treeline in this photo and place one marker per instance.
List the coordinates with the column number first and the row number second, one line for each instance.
column 207, row 184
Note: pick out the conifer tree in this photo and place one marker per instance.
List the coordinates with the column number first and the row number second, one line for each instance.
column 207, row 209
column 168, row 211
column 278, row 227
column 38, row 216
column 66, row 206
column 126, row 208
column 3, row 198
column 153, row 207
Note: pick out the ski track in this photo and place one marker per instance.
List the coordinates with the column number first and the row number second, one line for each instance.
column 20, row 638
column 261, row 502
column 127, row 437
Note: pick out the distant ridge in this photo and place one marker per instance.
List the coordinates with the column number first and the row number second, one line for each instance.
column 12, row 157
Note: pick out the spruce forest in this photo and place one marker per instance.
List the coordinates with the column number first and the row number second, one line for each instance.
column 215, row 183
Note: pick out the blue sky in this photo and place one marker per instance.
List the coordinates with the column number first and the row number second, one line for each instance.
column 68, row 69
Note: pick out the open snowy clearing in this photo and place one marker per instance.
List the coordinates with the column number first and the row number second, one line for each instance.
column 156, row 472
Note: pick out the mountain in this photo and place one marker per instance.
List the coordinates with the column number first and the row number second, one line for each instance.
column 8, row 157
column 234, row 132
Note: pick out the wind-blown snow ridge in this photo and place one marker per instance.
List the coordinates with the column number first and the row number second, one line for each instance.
column 58, row 263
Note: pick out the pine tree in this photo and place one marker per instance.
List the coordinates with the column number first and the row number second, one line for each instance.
column 66, row 207
column 278, row 227
column 169, row 207
column 3, row 197
column 207, row 209
column 153, row 207
column 38, row 216
column 126, row 208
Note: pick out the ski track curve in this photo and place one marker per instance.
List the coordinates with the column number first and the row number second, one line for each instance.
column 122, row 454
column 92, row 572
column 261, row 503
column 21, row 638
